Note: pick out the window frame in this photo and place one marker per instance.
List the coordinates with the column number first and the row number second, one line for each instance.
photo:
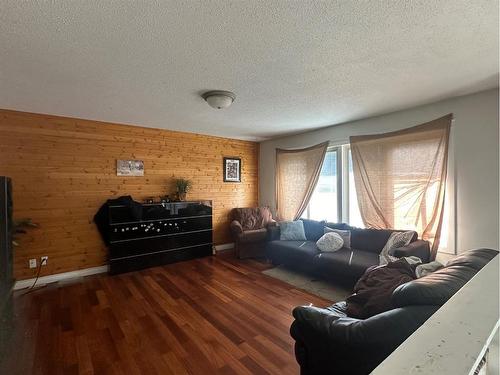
column 345, row 186
column 339, row 150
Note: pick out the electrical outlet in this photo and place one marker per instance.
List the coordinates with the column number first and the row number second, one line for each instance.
column 32, row 263
column 44, row 260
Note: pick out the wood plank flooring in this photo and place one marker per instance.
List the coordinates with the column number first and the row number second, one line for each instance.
column 215, row 315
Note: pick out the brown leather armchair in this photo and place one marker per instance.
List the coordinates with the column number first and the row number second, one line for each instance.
column 249, row 230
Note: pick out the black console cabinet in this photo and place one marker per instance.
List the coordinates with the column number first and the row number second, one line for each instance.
column 167, row 233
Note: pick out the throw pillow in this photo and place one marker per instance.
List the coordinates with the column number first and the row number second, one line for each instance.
column 396, row 240
column 292, row 231
column 345, row 234
column 330, row 241
column 427, row 268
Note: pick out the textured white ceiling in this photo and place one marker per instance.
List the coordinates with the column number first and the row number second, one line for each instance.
column 294, row 65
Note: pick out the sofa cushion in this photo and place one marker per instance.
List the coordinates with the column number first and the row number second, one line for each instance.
column 313, row 229
column 256, row 235
column 345, row 261
column 372, row 240
column 300, row 253
column 438, row 287
column 338, row 309
column 292, row 231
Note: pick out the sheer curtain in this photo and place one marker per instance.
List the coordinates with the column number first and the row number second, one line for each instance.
column 297, row 173
column 400, row 178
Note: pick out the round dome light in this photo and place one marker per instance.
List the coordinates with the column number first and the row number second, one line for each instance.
column 219, row 99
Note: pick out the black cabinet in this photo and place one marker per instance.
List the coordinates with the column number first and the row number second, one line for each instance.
column 165, row 233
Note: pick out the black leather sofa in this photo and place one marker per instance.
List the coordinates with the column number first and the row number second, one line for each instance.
column 330, row 342
column 345, row 264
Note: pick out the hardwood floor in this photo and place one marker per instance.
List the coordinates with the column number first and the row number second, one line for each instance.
column 215, row 315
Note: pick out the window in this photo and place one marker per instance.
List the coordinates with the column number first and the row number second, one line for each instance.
column 324, row 203
column 334, row 198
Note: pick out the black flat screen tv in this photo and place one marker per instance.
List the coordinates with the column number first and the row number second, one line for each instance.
column 6, row 256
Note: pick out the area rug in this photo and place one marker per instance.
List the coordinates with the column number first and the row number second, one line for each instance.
column 321, row 288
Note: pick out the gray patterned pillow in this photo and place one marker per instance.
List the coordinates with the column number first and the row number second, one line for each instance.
column 345, row 234
column 396, row 239
column 292, row 231
column 330, row 241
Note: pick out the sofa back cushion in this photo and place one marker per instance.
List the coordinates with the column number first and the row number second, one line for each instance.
column 437, row 287
column 339, row 226
column 252, row 218
column 372, row 240
column 313, row 229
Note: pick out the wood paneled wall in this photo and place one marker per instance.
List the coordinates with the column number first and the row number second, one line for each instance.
column 63, row 169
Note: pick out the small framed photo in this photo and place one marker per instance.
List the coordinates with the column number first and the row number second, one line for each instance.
column 232, row 169
column 129, row 168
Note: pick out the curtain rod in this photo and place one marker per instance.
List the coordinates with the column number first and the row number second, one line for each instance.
column 340, row 142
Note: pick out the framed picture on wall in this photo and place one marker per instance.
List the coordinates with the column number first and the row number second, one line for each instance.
column 232, row 169
column 129, row 168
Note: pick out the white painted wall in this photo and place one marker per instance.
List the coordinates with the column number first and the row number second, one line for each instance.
column 476, row 155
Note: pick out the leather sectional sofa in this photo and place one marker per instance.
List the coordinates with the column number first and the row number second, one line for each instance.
column 328, row 341
column 345, row 264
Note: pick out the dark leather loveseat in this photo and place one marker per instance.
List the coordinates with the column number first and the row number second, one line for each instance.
column 330, row 342
column 345, row 264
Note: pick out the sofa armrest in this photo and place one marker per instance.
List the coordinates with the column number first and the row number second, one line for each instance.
column 272, row 223
column 419, row 248
column 323, row 340
column 388, row 328
column 315, row 320
column 236, row 228
column 273, row 232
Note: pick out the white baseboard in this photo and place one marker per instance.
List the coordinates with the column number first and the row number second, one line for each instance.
column 224, row 246
column 21, row 284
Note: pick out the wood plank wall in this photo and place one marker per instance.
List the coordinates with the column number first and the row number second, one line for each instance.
column 63, row 169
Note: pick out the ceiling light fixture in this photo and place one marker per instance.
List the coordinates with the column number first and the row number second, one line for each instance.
column 219, row 99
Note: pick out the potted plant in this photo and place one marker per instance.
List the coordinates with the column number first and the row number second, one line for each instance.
column 182, row 187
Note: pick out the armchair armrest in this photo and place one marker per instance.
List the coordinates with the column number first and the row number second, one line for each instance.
column 419, row 248
column 272, row 223
column 273, row 232
column 236, row 228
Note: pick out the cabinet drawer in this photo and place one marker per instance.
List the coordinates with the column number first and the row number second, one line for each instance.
column 160, row 243
column 150, row 260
